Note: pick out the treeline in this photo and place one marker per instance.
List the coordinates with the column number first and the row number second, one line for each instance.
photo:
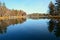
column 38, row 14
column 54, row 9
column 4, row 11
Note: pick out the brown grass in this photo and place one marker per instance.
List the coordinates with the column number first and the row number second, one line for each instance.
column 11, row 17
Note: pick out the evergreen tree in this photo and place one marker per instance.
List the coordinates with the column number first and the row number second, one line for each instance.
column 0, row 3
column 4, row 4
column 58, row 7
column 51, row 8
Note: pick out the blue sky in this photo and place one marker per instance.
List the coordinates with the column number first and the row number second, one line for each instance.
column 29, row 6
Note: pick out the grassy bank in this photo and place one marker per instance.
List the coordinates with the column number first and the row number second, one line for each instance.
column 12, row 17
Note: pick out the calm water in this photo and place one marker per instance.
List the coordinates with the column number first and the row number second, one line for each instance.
column 30, row 29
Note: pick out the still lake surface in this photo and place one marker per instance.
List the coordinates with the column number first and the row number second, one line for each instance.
column 30, row 29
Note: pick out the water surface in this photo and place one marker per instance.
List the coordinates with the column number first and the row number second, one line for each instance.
column 30, row 29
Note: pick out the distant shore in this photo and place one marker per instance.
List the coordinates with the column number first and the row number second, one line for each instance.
column 45, row 16
column 48, row 17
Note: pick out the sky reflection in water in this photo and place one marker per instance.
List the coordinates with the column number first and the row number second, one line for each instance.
column 30, row 29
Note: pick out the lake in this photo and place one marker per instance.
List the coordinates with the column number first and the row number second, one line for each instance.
column 30, row 29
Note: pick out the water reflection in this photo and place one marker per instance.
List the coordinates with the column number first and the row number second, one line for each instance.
column 35, row 18
column 54, row 26
column 5, row 23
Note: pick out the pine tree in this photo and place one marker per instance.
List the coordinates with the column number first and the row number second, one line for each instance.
column 58, row 7
column 0, row 3
column 4, row 4
column 51, row 8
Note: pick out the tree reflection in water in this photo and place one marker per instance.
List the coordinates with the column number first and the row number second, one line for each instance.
column 5, row 23
column 54, row 26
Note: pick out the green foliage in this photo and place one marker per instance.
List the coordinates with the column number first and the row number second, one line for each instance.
column 51, row 8
column 58, row 7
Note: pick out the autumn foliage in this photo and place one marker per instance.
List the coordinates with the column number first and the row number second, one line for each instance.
column 4, row 11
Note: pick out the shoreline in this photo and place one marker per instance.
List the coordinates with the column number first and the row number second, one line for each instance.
column 16, row 17
column 48, row 17
column 11, row 17
column 45, row 16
